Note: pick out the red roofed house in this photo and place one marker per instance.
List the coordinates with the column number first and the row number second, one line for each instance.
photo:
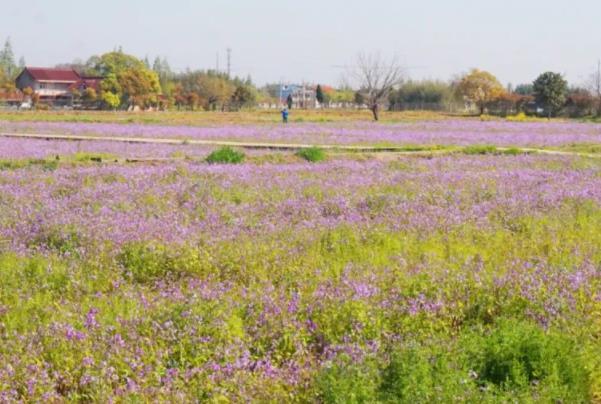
column 55, row 85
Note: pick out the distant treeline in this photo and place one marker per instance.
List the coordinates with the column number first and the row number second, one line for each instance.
column 129, row 82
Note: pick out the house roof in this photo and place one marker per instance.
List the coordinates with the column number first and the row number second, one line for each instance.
column 52, row 74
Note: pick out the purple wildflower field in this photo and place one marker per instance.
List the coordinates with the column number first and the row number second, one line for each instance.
column 451, row 132
column 451, row 278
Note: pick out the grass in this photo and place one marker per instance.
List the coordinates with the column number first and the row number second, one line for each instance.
column 225, row 155
column 490, row 149
column 581, row 148
column 312, row 154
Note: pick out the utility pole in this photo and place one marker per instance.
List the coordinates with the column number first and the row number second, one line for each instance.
column 229, row 62
column 597, row 86
column 217, row 62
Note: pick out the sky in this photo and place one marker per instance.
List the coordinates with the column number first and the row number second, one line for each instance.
column 313, row 40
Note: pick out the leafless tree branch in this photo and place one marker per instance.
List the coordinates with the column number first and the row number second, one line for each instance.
column 376, row 77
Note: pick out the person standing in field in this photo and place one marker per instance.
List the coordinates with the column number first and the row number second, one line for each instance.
column 285, row 115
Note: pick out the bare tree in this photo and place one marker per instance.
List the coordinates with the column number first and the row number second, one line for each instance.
column 594, row 86
column 376, row 78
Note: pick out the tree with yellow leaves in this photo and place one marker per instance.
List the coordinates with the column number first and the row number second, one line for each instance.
column 480, row 87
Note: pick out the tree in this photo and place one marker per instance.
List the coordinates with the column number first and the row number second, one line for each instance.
column 110, row 91
column 426, row 94
column 111, row 100
column 480, row 87
column 126, row 79
column 193, row 100
column 594, row 86
column 179, row 96
column 344, row 96
column 163, row 70
column 376, row 79
column 7, row 60
column 140, row 87
column 319, row 95
column 550, row 89
column 289, row 101
column 579, row 102
column 358, row 99
column 113, row 63
column 89, row 95
column 524, row 89
column 244, row 96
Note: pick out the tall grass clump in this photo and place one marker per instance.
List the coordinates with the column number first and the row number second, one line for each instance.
column 225, row 155
column 312, row 154
column 480, row 149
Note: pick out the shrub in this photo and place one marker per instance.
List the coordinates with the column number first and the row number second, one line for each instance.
column 517, row 355
column 427, row 373
column 147, row 262
column 512, row 151
column 347, row 382
column 46, row 165
column 225, row 155
column 480, row 149
column 521, row 117
column 143, row 262
column 312, row 154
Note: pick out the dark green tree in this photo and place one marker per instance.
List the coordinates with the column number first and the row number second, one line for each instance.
column 7, row 60
column 359, row 99
column 244, row 96
column 319, row 94
column 550, row 90
column 524, row 89
column 289, row 101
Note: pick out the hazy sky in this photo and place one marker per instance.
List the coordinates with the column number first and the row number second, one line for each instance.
column 310, row 39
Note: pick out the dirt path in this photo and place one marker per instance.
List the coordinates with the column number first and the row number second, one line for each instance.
column 384, row 151
column 246, row 145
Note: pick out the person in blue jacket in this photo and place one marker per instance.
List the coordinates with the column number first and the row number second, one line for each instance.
column 285, row 115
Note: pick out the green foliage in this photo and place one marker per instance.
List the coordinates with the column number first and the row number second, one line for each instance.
column 47, row 165
column 550, row 89
column 149, row 262
column 244, row 96
column 139, row 87
column 348, row 313
column 524, row 89
column 8, row 67
column 489, row 149
column 509, row 359
column 480, row 149
column 424, row 374
column 127, row 81
column 516, row 355
column 225, row 155
column 144, row 263
column 422, row 95
column 113, row 63
column 312, row 154
column 61, row 241
column 512, row 151
column 344, row 382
